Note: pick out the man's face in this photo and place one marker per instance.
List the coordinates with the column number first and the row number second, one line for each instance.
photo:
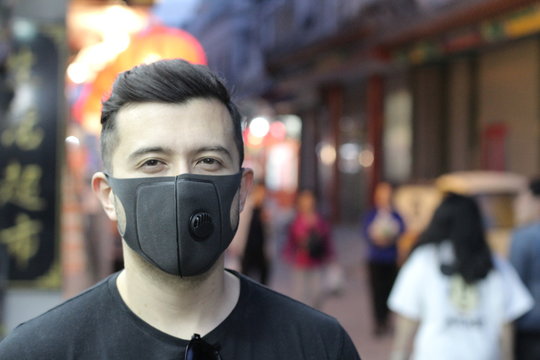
column 158, row 139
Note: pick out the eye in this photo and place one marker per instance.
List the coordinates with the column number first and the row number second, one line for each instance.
column 151, row 162
column 209, row 164
column 152, row 165
column 208, row 161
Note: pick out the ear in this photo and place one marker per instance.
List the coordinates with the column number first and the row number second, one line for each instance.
column 103, row 191
column 245, row 186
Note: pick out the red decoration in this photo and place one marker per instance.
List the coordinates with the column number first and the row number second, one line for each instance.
column 155, row 43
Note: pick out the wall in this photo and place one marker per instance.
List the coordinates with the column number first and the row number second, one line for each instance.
column 508, row 93
column 429, row 136
column 461, row 142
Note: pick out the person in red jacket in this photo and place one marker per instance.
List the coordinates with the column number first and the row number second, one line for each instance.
column 308, row 248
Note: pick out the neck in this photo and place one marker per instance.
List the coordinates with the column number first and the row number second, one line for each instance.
column 177, row 306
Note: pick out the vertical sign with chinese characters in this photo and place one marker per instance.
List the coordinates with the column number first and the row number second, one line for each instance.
column 29, row 156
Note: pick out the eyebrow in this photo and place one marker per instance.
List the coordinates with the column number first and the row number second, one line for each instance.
column 146, row 150
column 217, row 148
column 160, row 149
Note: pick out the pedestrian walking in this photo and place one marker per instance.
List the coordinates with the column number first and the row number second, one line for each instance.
column 382, row 227
column 255, row 262
column 308, row 249
column 454, row 296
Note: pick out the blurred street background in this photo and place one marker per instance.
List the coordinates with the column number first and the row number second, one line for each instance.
column 352, row 306
column 337, row 96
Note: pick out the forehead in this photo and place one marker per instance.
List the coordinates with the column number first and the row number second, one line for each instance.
column 206, row 106
column 195, row 122
column 187, row 115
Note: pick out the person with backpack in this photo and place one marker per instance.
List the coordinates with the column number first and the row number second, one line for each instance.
column 308, row 249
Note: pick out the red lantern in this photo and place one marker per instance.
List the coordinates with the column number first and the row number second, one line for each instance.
column 155, row 43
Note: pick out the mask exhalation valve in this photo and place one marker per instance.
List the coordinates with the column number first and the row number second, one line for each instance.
column 201, row 225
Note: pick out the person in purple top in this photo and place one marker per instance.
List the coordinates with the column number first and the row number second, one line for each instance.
column 382, row 226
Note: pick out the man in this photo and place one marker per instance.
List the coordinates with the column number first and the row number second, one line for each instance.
column 525, row 256
column 172, row 150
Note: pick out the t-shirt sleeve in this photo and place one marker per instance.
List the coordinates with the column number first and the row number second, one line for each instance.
column 518, row 300
column 15, row 346
column 406, row 296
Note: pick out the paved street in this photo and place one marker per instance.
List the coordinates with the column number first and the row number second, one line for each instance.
column 352, row 308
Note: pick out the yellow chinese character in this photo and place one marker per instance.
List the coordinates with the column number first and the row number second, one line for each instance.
column 20, row 186
column 26, row 135
column 20, row 64
column 22, row 239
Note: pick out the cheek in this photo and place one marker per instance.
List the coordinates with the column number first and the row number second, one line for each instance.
column 120, row 216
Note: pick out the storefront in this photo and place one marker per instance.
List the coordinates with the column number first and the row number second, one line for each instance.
column 452, row 88
column 32, row 118
column 475, row 89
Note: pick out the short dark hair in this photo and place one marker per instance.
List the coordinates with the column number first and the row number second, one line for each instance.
column 166, row 81
column 459, row 220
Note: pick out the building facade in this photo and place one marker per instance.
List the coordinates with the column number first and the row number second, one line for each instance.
column 412, row 89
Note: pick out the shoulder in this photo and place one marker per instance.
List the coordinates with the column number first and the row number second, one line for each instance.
column 504, row 269
column 370, row 215
column 293, row 324
column 415, row 282
column 422, row 254
column 518, row 299
column 507, row 274
column 54, row 327
column 322, row 223
column 419, row 267
column 270, row 302
column 527, row 231
column 523, row 242
column 297, row 222
column 368, row 219
column 396, row 214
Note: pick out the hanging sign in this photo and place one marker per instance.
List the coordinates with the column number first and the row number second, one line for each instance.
column 29, row 157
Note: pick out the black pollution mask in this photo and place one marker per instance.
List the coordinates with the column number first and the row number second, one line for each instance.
column 181, row 224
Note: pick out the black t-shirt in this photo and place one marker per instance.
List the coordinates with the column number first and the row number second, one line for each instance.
column 97, row 324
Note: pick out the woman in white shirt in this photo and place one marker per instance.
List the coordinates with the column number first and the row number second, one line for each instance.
column 453, row 295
